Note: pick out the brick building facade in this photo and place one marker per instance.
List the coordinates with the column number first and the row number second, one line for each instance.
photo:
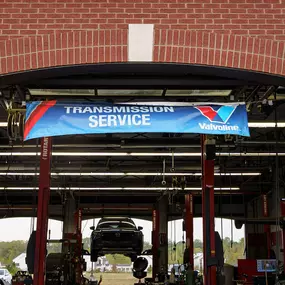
column 247, row 34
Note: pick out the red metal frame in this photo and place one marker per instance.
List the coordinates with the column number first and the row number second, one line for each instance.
column 205, row 271
column 208, row 214
column 189, row 226
column 79, row 262
column 42, row 213
column 248, row 267
column 155, row 242
column 75, row 248
column 282, row 205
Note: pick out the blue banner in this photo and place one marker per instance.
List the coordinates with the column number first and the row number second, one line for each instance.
column 52, row 118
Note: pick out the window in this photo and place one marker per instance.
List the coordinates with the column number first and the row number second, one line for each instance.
column 116, row 225
column 2, row 272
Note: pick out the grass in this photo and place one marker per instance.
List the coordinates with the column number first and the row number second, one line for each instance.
column 116, row 278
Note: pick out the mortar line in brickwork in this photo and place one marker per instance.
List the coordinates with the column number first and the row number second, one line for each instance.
column 124, row 46
column 37, row 58
column 153, row 46
column 283, row 56
column 264, row 53
column 246, row 52
column 240, row 48
column 196, row 48
column 277, row 52
column 49, row 48
column 184, row 44
column 227, row 54
column 29, row 41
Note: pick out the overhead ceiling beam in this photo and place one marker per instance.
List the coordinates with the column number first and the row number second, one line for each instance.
column 116, row 210
column 133, row 82
column 252, row 94
column 138, row 174
column 146, row 153
column 269, row 91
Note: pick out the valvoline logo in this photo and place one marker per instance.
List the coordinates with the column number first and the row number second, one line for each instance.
column 217, row 114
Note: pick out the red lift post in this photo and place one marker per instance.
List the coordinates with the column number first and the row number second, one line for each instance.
column 208, row 209
column 78, row 247
column 42, row 212
column 282, row 206
column 155, row 242
column 189, row 226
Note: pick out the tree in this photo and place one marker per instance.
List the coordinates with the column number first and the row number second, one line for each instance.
column 232, row 251
column 10, row 250
column 115, row 259
column 12, row 268
column 54, row 247
column 146, row 245
column 86, row 243
column 198, row 243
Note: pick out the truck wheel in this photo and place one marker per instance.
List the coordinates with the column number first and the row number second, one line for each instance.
column 94, row 256
column 133, row 257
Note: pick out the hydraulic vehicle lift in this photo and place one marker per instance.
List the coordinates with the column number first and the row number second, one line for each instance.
column 208, row 157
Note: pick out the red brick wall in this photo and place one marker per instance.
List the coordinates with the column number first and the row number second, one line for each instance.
column 258, row 18
column 246, row 34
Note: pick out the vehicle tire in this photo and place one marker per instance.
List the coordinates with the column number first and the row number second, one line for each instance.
column 94, row 256
column 138, row 250
column 133, row 257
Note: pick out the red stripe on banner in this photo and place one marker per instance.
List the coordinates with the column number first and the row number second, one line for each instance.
column 208, row 112
column 36, row 115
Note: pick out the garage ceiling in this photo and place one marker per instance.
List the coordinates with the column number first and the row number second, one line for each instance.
column 111, row 174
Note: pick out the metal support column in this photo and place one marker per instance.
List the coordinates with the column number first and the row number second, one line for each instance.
column 266, row 227
column 189, row 227
column 163, row 235
column 78, row 249
column 155, row 242
column 208, row 209
column 42, row 213
column 69, row 224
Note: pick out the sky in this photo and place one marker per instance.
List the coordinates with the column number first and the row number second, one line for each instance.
column 20, row 228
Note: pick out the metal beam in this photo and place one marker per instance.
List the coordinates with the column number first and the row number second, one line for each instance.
column 189, row 227
column 155, row 242
column 132, row 82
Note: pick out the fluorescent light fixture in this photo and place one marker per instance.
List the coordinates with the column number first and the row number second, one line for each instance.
column 198, row 92
column 129, row 174
column 119, row 188
column 141, row 154
column 266, row 125
column 250, row 154
column 62, row 92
